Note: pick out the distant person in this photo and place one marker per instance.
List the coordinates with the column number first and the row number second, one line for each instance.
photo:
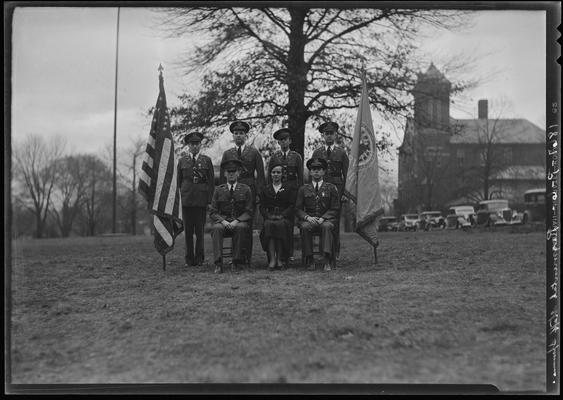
column 337, row 166
column 292, row 164
column 277, row 200
column 231, row 211
column 196, row 183
column 317, row 208
column 252, row 173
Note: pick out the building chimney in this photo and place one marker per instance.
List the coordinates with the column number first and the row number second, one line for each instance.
column 483, row 106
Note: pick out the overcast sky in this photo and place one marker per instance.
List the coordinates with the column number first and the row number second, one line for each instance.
column 63, row 70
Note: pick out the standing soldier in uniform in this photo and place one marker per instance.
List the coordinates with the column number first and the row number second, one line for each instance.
column 196, row 183
column 231, row 210
column 337, row 169
column 252, row 173
column 292, row 165
column 317, row 207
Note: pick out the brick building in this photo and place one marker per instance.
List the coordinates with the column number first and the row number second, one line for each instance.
column 445, row 161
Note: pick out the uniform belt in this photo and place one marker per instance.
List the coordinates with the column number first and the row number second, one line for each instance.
column 274, row 210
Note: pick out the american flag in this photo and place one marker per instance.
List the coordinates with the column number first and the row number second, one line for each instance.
column 158, row 177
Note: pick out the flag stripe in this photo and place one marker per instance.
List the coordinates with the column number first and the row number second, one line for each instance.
column 162, row 231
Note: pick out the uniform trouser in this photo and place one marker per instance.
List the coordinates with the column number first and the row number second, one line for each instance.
column 194, row 223
column 240, row 240
column 337, row 223
column 328, row 237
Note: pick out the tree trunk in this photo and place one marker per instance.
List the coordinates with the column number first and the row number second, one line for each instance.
column 297, row 81
column 38, row 225
column 134, row 200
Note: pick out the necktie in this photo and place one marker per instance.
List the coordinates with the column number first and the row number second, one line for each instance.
column 239, row 152
column 284, row 156
column 232, row 191
column 316, row 188
column 328, row 152
column 194, row 158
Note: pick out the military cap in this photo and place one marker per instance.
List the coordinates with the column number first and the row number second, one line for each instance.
column 282, row 133
column 232, row 163
column 239, row 125
column 317, row 162
column 328, row 125
column 193, row 137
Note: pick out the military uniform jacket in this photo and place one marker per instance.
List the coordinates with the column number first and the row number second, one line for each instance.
column 280, row 203
column 337, row 165
column 323, row 204
column 196, row 181
column 251, row 161
column 225, row 207
column 292, row 167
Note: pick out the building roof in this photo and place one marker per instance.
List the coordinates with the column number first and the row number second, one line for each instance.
column 517, row 131
column 432, row 73
column 521, row 172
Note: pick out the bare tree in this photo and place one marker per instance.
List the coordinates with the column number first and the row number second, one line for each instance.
column 35, row 170
column 269, row 64
column 98, row 186
column 428, row 169
column 492, row 156
column 70, row 189
column 136, row 149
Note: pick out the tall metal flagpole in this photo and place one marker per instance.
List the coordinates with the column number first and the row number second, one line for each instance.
column 115, row 128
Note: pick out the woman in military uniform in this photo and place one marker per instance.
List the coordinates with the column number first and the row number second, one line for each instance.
column 276, row 206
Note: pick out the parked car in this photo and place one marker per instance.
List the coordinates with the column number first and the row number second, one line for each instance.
column 387, row 224
column 430, row 220
column 408, row 222
column 534, row 203
column 494, row 213
column 460, row 217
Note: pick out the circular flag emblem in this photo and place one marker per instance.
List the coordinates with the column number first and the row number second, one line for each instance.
column 367, row 147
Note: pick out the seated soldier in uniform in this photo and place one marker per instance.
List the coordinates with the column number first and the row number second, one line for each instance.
column 317, row 208
column 276, row 206
column 231, row 210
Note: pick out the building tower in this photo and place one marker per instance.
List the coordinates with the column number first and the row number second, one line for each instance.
column 432, row 100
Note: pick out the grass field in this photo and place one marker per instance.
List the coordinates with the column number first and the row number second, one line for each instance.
column 441, row 307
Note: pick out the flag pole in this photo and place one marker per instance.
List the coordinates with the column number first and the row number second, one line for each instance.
column 164, row 262
column 114, row 212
